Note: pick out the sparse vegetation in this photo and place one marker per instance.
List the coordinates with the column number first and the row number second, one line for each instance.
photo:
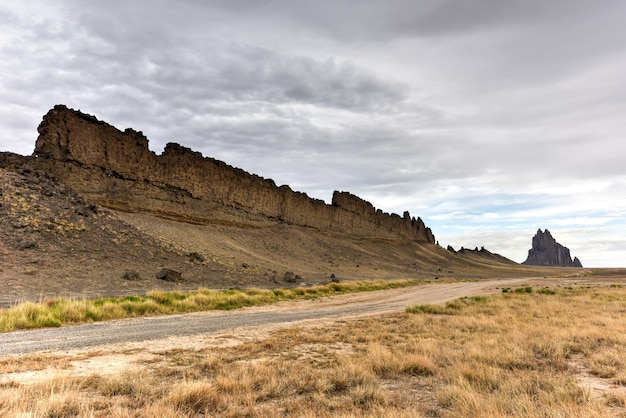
column 514, row 354
column 524, row 289
column 56, row 312
column 547, row 291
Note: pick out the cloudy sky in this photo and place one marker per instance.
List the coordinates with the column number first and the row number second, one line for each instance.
column 487, row 118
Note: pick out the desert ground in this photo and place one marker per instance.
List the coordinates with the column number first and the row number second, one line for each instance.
column 349, row 355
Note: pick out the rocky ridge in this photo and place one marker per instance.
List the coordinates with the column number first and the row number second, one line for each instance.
column 546, row 251
column 116, row 169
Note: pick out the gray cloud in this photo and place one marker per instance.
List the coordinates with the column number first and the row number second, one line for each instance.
column 481, row 115
column 377, row 21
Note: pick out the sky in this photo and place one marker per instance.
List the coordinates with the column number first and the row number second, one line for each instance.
column 489, row 119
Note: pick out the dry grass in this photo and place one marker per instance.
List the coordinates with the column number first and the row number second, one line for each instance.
column 56, row 312
column 510, row 355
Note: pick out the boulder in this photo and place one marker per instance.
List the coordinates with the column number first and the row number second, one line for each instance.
column 169, row 275
column 196, row 257
column 25, row 244
column 131, row 275
column 290, row 277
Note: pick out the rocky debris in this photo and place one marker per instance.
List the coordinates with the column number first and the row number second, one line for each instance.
column 87, row 209
column 290, row 277
column 451, row 249
column 196, row 257
column 25, row 244
column 19, row 224
column 169, row 275
column 131, row 275
column 546, row 251
column 117, row 170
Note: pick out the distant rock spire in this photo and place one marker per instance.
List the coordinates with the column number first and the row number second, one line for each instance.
column 546, row 251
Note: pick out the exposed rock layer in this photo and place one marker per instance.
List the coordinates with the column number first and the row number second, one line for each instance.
column 546, row 251
column 116, row 169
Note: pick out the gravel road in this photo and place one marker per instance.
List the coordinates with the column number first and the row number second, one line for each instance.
column 90, row 336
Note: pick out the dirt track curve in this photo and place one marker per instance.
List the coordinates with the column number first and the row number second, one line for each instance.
column 90, row 336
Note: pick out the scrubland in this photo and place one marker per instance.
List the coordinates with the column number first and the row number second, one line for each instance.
column 532, row 353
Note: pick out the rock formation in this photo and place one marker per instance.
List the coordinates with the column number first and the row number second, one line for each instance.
column 117, row 170
column 546, row 251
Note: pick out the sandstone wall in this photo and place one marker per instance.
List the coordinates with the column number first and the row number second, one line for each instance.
column 116, row 169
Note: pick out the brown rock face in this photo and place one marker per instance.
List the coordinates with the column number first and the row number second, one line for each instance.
column 547, row 252
column 116, row 169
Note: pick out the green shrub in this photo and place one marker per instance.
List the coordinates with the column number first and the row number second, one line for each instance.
column 92, row 316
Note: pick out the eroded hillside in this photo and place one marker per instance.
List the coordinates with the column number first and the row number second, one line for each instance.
column 53, row 242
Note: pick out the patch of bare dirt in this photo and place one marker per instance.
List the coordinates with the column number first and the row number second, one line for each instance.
column 597, row 386
column 113, row 359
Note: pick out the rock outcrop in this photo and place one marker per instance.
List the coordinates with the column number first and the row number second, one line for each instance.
column 546, row 251
column 117, row 170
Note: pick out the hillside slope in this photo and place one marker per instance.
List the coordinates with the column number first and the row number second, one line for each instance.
column 54, row 242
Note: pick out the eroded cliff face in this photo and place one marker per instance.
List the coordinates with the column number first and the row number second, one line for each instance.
column 116, row 169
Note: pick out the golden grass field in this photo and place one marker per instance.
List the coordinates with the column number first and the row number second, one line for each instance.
column 543, row 353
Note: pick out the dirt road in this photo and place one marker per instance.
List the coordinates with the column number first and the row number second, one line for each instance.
column 91, row 336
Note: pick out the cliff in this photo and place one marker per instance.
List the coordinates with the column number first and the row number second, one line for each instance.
column 546, row 251
column 117, row 170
